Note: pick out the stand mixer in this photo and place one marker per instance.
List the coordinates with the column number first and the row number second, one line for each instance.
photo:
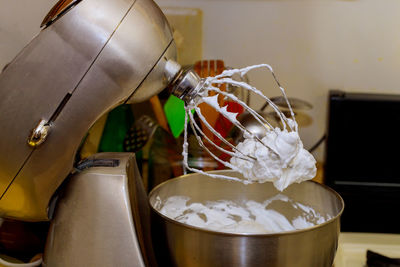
column 90, row 56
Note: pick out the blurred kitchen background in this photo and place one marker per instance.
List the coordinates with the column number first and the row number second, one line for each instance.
column 314, row 46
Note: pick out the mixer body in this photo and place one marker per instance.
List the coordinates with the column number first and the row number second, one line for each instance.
column 102, row 217
column 97, row 55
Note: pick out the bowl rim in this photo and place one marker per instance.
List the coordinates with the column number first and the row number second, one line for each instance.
column 196, row 228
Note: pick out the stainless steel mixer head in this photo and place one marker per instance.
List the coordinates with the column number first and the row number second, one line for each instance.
column 91, row 56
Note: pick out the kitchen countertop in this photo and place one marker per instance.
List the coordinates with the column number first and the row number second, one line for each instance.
column 353, row 247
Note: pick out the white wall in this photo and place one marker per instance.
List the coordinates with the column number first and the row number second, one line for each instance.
column 313, row 45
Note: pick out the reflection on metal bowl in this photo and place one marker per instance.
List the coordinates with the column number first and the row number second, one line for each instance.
column 178, row 244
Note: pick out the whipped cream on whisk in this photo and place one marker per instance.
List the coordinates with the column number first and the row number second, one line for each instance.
column 277, row 157
column 281, row 159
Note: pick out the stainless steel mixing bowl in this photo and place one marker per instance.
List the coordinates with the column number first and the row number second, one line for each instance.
column 178, row 244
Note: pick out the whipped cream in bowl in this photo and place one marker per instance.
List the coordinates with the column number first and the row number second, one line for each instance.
column 208, row 220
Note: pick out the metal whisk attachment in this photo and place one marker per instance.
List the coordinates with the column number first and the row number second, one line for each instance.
column 188, row 86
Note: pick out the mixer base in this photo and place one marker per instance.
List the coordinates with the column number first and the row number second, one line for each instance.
column 97, row 219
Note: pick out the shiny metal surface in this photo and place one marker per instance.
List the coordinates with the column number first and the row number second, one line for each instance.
column 57, row 10
column 172, row 70
column 182, row 245
column 186, row 86
column 96, row 221
column 156, row 79
column 99, row 53
column 253, row 126
column 39, row 134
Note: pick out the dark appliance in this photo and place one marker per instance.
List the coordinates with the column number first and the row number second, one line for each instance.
column 362, row 159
